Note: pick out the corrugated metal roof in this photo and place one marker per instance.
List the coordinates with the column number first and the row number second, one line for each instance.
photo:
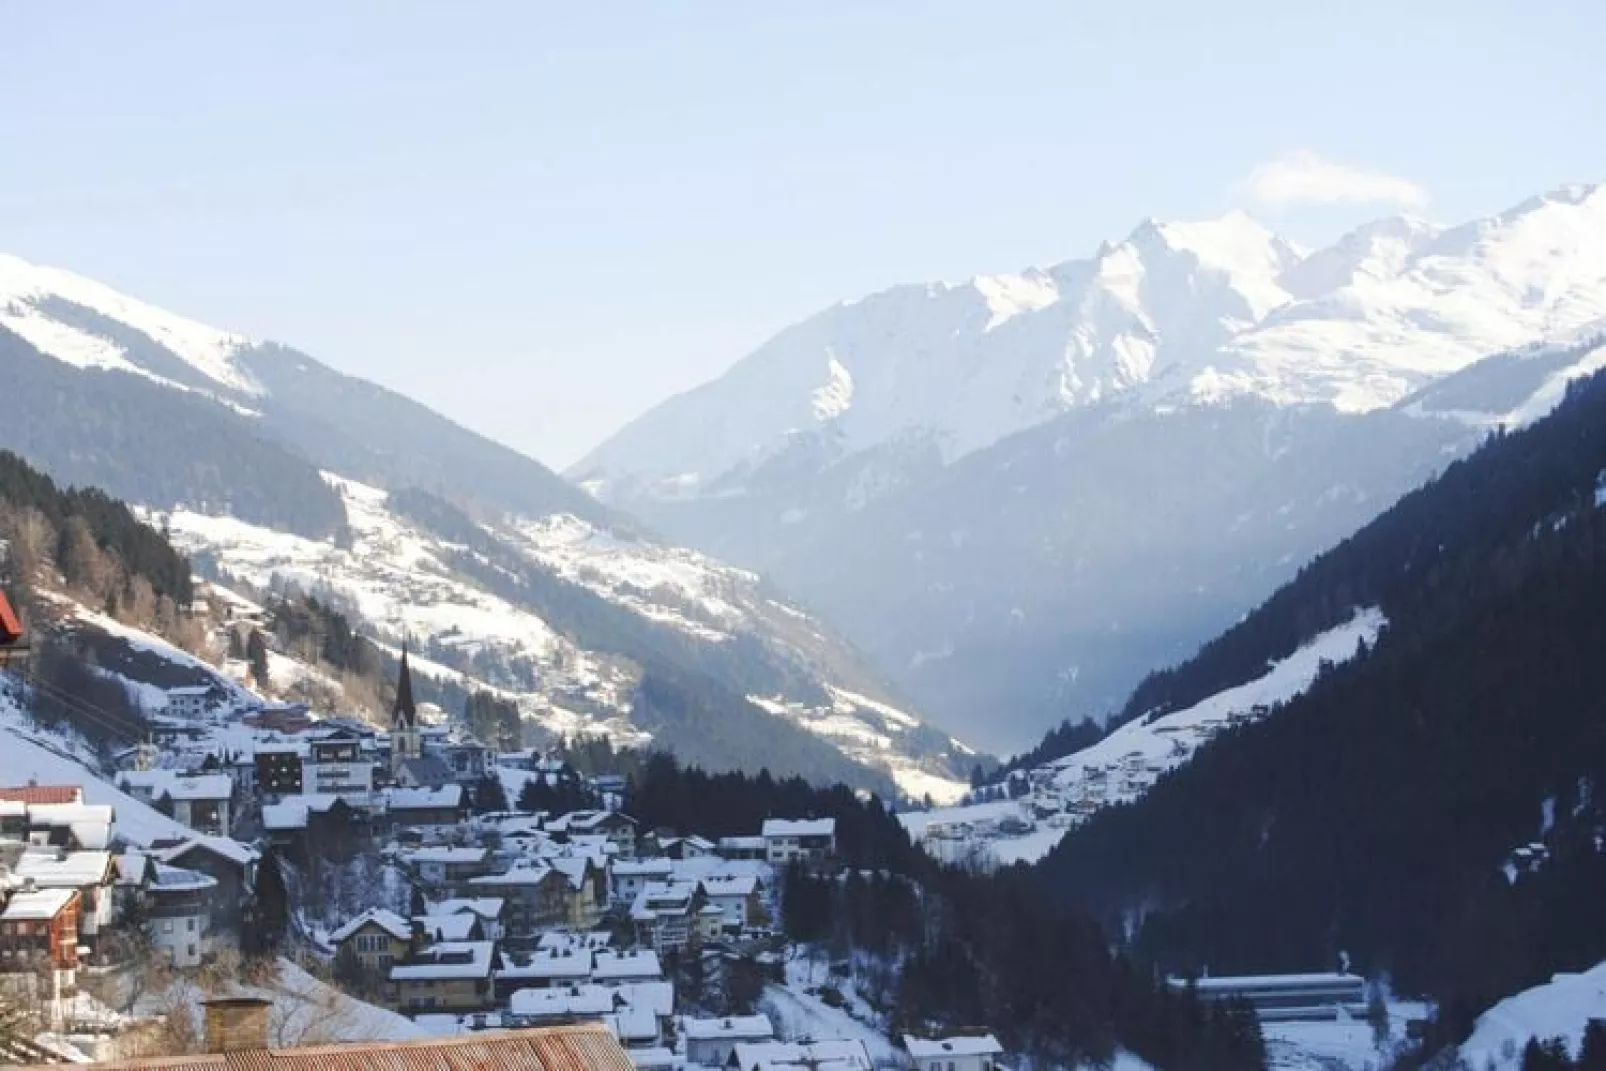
column 565, row 1048
column 10, row 627
column 45, row 794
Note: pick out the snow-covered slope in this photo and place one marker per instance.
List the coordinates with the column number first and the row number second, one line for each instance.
column 1175, row 313
column 1127, row 762
column 399, row 578
column 1560, row 1008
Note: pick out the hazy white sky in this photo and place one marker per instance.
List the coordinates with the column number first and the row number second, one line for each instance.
column 542, row 218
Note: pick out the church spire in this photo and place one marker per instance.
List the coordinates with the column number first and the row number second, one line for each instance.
column 405, row 712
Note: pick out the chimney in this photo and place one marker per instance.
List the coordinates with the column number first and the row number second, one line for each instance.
column 236, row 1023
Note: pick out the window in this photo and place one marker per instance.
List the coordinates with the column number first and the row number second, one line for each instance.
column 167, row 925
column 191, row 925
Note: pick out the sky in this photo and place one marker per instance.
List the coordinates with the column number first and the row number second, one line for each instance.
column 541, row 219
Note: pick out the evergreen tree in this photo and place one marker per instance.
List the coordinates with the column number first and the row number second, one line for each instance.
column 1592, row 1053
column 489, row 795
column 256, row 654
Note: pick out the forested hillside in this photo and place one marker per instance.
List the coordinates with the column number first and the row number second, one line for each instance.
column 1379, row 814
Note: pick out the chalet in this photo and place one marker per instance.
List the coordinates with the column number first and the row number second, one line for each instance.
column 378, row 938
column 810, row 841
column 454, row 976
column 464, row 926
column 447, row 866
column 738, row 900
column 442, row 806
column 618, row 828
column 488, row 909
column 539, row 897
column 179, row 910
column 692, row 847
column 232, row 864
column 712, row 1042
column 953, row 1054
column 630, row 876
column 202, row 802
column 279, row 769
column 39, row 927
column 561, row 1004
column 93, row 874
column 665, row 916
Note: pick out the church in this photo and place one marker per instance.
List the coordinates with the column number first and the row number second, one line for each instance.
column 409, row 766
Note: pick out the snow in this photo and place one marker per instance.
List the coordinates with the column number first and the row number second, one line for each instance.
column 206, row 349
column 800, row 1016
column 1177, row 312
column 1124, row 764
column 1561, row 1007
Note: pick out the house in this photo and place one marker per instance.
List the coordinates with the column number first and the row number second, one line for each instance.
column 712, row 1042
column 237, row 1040
column 444, row 866
column 625, row 968
column 538, row 897
column 488, row 909
column 279, row 769
column 231, row 863
column 561, row 1004
column 335, row 765
column 692, row 847
column 617, row 827
column 808, row 841
column 740, row 848
column 39, row 928
column 188, row 703
column 469, row 761
column 75, row 826
column 520, row 971
column 452, row 976
column 442, row 806
column 201, row 802
column 92, row 873
column 642, row 1007
column 630, row 876
column 427, row 771
column 179, row 912
column 242, row 769
column 833, row 1055
column 665, row 916
column 377, row 937
column 954, row 1053
column 135, row 871
column 737, row 898
column 464, row 926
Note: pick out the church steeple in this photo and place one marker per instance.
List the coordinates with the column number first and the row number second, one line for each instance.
column 405, row 740
column 405, row 713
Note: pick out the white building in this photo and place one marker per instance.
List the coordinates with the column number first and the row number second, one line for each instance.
column 180, row 911
column 810, row 840
column 710, row 1042
column 953, row 1054
column 336, row 765
column 630, row 876
column 188, row 703
column 832, row 1055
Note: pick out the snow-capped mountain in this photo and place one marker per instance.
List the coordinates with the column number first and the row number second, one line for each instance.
column 1021, row 493
column 1175, row 313
column 273, row 470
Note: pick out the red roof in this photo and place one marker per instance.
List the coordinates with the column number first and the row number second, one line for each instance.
column 564, row 1048
column 10, row 627
column 42, row 794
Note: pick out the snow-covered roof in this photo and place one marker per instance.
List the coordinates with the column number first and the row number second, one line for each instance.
column 615, row 966
column 741, row 885
column 742, row 844
column 486, row 907
column 90, row 823
column 560, row 941
column 449, row 959
column 638, row 868
column 37, row 904
column 799, row 827
column 179, row 786
column 190, row 691
column 652, row 1059
column 418, row 799
column 1233, row 983
column 656, row 997
column 173, row 879
column 64, row 870
column 459, row 927
column 547, row 966
column 277, row 817
column 757, row 1027
column 522, row 874
column 837, row 1054
column 132, row 867
column 386, row 920
column 630, row 1024
column 931, row 1048
column 447, row 855
column 561, row 1001
column 241, row 855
